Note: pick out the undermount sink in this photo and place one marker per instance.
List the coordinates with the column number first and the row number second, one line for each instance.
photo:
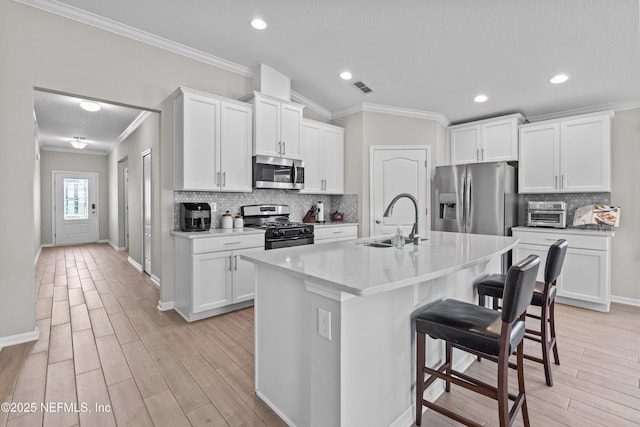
column 384, row 243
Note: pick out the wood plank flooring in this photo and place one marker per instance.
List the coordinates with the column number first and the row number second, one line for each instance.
column 103, row 342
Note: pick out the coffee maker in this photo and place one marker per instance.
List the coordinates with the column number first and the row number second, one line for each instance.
column 195, row 216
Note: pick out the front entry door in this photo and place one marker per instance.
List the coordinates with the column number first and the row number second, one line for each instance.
column 396, row 170
column 75, row 208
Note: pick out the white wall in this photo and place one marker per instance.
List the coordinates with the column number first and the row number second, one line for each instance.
column 71, row 162
column 37, row 218
column 40, row 49
column 364, row 129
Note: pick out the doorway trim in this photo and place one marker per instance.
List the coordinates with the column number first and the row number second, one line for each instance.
column 54, row 201
column 372, row 149
column 147, row 266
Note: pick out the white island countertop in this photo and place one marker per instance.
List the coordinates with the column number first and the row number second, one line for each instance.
column 361, row 270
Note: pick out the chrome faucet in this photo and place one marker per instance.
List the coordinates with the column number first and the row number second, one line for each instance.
column 415, row 236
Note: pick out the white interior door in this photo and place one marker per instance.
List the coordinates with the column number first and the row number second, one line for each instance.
column 75, row 206
column 146, row 211
column 396, row 170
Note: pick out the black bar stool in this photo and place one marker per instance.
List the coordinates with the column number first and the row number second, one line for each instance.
column 483, row 332
column 544, row 296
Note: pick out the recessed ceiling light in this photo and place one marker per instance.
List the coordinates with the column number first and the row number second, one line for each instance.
column 90, row 106
column 560, row 78
column 258, row 24
column 78, row 144
column 481, row 98
column 345, row 75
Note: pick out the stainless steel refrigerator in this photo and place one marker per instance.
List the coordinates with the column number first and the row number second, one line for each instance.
column 478, row 198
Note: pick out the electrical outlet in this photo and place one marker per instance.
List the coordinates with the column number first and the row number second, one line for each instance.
column 324, row 323
column 214, row 206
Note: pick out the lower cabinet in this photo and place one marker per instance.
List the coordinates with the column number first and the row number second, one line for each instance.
column 335, row 233
column 210, row 279
column 585, row 277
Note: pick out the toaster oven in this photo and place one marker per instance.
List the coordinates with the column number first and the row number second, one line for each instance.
column 547, row 214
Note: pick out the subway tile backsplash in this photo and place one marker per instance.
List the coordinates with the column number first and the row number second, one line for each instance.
column 573, row 201
column 298, row 203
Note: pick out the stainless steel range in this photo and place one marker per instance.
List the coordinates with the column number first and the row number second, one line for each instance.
column 279, row 231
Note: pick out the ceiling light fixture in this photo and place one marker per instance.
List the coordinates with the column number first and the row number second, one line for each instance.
column 481, row 98
column 345, row 75
column 559, row 78
column 258, row 24
column 78, row 144
column 90, row 106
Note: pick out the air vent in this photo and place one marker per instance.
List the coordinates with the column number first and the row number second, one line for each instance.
column 363, row 87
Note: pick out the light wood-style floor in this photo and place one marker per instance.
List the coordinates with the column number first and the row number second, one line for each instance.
column 103, row 342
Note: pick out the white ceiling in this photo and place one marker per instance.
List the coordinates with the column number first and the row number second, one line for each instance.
column 427, row 55
column 60, row 118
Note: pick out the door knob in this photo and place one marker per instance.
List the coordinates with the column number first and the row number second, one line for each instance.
column 378, row 221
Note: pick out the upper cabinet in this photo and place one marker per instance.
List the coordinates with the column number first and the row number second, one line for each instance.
column 212, row 142
column 323, row 154
column 569, row 155
column 277, row 127
column 487, row 140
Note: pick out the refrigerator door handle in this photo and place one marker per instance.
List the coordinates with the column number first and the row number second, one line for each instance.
column 467, row 202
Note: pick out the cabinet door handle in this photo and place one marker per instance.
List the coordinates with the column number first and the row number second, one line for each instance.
column 280, row 148
column 218, row 178
column 477, row 154
column 482, row 152
column 284, row 148
column 556, row 181
column 230, row 262
column 233, row 243
column 224, row 179
column 562, row 181
column 338, row 232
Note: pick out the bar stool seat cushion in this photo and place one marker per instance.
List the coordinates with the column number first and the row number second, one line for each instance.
column 493, row 286
column 467, row 325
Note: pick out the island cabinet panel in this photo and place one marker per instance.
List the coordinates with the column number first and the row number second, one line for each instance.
column 212, row 142
column 585, row 277
column 210, row 276
column 489, row 140
column 322, row 150
column 570, row 155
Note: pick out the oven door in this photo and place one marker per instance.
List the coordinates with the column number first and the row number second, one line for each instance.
column 544, row 218
column 278, row 172
column 288, row 242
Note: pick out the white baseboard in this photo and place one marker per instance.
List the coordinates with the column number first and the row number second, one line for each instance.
column 135, row 264
column 113, row 245
column 35, row 261
column 155, row 279
column 167, row 305
column 19, row 338
column 625, row 300
column 275, row 409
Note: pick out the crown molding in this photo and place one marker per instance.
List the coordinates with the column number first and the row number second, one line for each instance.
column 301, row 99
column 110, row 25
column 131, row 128
column 396, row 111
column 621, row 106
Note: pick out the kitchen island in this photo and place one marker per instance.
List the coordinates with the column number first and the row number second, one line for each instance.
column 334, row 337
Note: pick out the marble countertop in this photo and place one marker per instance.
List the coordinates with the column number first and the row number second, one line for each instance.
column 579, row 231
column 361, row 270
column 216, row 232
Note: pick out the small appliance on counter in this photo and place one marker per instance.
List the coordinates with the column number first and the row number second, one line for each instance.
column 547, row 214
column 320, row 212
column 337, row 216
column 195, row 216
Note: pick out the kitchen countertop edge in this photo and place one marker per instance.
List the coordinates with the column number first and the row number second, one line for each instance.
column 579, row 231
column 216, row 232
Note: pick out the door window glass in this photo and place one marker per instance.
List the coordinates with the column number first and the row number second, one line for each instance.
column 76, row 198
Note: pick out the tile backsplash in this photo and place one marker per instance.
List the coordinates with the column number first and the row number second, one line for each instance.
column 573, row 201
column 298, row 203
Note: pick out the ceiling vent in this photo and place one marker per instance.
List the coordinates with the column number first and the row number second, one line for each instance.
column 363, row 87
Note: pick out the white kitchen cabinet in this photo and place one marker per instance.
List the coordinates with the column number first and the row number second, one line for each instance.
column 585, row 277
column 277, row 127
column 335, row 233
column 570, row 155
column 489, row 140
column 322, row 150
column 212, row 142
column 210, row 277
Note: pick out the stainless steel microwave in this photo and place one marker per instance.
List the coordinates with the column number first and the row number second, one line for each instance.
column 278, row 172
